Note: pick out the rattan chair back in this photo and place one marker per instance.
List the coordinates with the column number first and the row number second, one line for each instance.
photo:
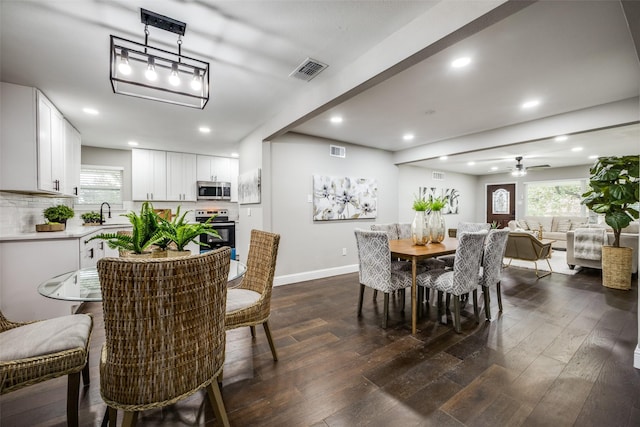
column 164, row 327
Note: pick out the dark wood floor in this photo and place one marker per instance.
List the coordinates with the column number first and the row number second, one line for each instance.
column 561, row 354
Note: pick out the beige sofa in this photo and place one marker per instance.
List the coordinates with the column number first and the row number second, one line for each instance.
column 553, row 227
column 628, row 238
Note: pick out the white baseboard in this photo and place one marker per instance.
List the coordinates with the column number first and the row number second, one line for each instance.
column 636, row 357
column 315, row 274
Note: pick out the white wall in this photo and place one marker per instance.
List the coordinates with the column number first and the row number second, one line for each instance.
column 307, row 246
column 574, row 172
column 412, row 177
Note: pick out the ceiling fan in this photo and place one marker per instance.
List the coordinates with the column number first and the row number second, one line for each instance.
column 521, row 170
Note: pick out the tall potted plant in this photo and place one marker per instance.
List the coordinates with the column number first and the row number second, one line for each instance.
column 614, row 192
column 145, row 233
column 180, row 233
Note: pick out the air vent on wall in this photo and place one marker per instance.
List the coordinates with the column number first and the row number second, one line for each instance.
column 437, row 176
column 308, row 69
column 336, row 151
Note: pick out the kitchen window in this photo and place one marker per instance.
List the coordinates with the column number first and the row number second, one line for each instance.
column 100, row 184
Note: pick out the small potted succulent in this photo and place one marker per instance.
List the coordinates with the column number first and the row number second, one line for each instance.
column 56, row 217
column 91, row 218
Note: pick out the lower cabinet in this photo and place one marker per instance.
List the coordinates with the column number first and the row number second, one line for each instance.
column 91, row 250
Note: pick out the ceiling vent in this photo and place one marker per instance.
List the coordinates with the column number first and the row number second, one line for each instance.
column 308, row 69
column 437, row 176
column 336, row 151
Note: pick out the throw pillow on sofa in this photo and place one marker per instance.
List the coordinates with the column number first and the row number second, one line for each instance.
column 534, row 225
column 564, row 225
column 521, row 223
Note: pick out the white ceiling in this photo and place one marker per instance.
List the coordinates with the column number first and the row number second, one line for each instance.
column 571, row 55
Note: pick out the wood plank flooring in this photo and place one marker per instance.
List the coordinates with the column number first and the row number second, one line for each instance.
column 560, row 354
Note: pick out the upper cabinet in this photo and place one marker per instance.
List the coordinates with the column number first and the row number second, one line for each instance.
column 219, row 169
column 163, row 175
column 39, row 153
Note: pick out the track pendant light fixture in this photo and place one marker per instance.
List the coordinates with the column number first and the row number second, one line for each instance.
column 144, row 71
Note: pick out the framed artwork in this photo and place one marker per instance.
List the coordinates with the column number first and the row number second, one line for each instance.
column 451, row 194
column 249, row 187
column 341, row 198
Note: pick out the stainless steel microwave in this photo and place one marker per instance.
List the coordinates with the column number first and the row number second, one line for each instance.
column 208, row 190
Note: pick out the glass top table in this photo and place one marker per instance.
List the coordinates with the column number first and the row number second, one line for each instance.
column 84, row 285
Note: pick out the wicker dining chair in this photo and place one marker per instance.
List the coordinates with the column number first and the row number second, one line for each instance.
column 491, row 270
column 164, row 331
column 249, row 304
column 33, row 352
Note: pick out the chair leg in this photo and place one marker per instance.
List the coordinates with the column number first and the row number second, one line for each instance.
column 487, row 302
column 85, row 373
column 73, row 391
column 441, row 315
column 456, row 313
column 360, row 300
column 267, row 331
column 375, row 294
column 130, row 418
column 499, row 297
column 112, row 414
column 475, row 305
column 385, row 316
column 215, row 397
column 253, row 331
column 403, row 296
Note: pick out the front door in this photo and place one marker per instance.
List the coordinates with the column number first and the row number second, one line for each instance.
column 501, row 204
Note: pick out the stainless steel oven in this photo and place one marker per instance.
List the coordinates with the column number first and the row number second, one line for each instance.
column 221, row 223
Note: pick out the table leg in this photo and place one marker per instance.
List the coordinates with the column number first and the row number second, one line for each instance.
column 414, row 298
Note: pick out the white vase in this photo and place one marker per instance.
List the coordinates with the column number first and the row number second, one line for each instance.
column 437, row 227
column 420, row 229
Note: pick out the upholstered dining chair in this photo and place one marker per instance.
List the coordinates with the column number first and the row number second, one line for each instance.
column 33, row 352
column 249, row 304
column 462, row 279
column 375, row 270
column 164, row 331
column 464, row 227
column 491, row 270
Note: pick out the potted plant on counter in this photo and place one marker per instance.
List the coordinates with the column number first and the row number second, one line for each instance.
column 180, row 233
column 90, row 218
column 56, row 217
column 615, row 193
column 145, row 233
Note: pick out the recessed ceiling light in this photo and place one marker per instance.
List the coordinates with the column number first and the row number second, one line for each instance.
column 204, row 129
column 576, row 149
column 594, row 156
column 531, row 104
column 408, row 136
column 471, row 163
column 91, row 111
column 561, row 138
column 494, row 168
column 132, row 143
column 444, row 157
column 336, row 119
column 235, row 155
column 461, row 62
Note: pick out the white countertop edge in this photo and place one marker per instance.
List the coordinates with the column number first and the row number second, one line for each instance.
column 69, row 233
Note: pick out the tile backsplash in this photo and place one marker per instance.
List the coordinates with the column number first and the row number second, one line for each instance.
column 19, row 213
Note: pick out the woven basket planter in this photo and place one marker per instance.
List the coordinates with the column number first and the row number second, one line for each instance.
column 50, row 227
column 616, row 267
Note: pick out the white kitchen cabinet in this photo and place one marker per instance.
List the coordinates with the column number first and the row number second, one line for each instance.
column 149, row 174
column 72, row 144
column 181, row 177
column 32, row 140
column 213, row 168
column 234, row 169
column 91, row 250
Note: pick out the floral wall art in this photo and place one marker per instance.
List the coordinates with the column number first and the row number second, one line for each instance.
column 340, row 198
column 451, row 194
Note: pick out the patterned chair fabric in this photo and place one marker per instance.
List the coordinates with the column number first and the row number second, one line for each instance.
column 390, row 229
column 491, row 271
column 375, row 270
column 464, row 276
column 404, row 230
column 464, row 227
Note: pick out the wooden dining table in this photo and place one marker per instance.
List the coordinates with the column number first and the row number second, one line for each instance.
column 406, row 249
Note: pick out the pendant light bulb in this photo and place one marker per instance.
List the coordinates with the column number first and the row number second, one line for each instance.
column 174, row 79
column 196, row 83
column 151, row 74
column 124, row 66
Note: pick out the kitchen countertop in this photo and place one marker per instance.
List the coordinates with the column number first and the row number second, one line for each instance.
column 68, row 233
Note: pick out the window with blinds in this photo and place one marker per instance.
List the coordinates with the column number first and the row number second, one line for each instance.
column 100, row 184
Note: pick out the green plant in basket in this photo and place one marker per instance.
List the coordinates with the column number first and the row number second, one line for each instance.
column 181, row 233
column 145, row 232
column 58, row 214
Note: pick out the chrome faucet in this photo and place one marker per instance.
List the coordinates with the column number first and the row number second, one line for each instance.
column 109, row 213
